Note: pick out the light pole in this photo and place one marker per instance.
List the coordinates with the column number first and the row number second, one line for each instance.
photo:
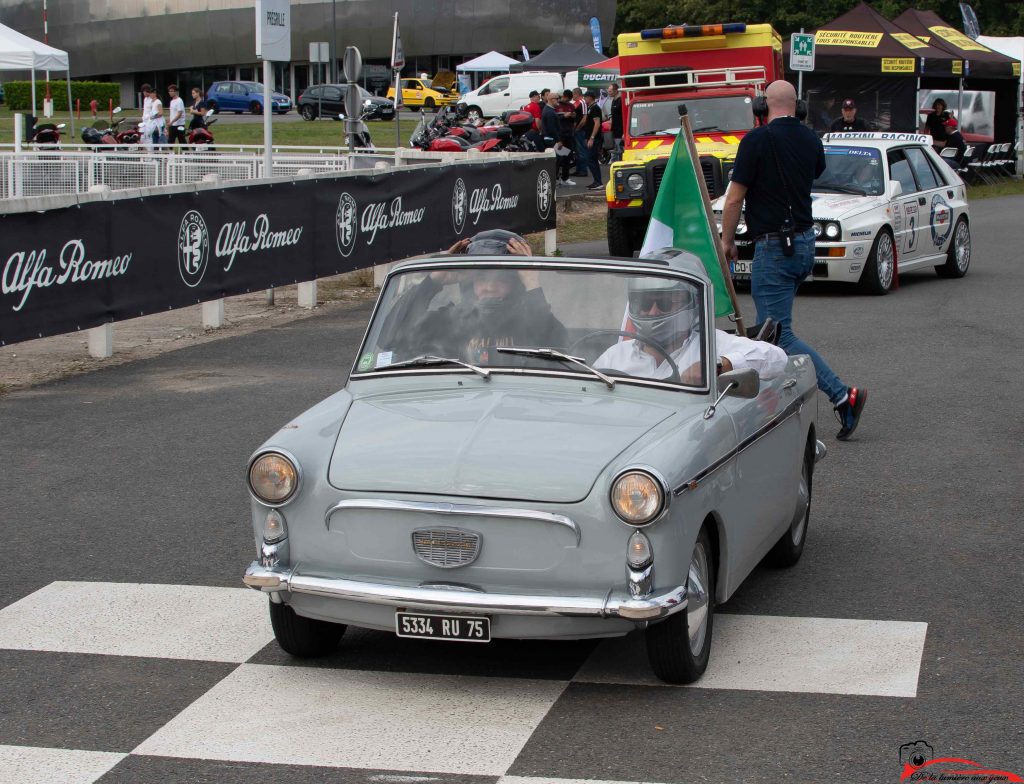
column 334, row 42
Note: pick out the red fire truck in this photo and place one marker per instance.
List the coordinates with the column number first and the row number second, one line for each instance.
column 716, row 71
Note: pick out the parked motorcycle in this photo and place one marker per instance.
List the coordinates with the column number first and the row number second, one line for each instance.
column 201, row 136
column 361, row 138
column 42, row 136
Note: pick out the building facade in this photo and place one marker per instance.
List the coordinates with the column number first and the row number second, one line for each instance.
column 196, row 42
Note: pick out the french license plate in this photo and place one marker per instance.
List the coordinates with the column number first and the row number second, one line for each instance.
column 742, row 267
column 467, row 628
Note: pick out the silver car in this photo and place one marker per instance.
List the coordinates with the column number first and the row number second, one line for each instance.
column 490, row 470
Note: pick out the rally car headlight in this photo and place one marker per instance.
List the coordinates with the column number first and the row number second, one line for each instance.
column 637, row 497
column 635, row 182
column 273, row 478
column 832, row 230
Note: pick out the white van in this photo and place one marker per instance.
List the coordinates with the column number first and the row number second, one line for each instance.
column 509, row 91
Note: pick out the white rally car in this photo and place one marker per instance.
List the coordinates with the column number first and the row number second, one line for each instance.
column 885, row 202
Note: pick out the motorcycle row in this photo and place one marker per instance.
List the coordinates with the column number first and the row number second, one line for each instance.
column 126, row 134
column 453, row 131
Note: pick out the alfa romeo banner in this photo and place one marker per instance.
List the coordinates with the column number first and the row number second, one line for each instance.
column 80, row 267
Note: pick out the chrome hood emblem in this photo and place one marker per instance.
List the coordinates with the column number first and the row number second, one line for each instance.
column 447, row 548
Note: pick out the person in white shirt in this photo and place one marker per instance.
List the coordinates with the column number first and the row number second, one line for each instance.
column 666, row 314
column 157, row 127
column 176, row 120
column 145, row 126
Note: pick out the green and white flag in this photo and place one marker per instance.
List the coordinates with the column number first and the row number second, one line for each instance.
column 680, row 220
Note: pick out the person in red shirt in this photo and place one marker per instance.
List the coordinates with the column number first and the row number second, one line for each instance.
column 534, row 107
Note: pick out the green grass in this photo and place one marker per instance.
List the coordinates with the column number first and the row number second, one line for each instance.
column 1004, row 188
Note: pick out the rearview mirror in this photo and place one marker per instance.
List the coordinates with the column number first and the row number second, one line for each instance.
column 743, row 383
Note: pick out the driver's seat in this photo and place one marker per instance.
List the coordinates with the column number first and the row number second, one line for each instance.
column 767, row 331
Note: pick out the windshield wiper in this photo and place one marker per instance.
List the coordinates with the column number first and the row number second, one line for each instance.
column 660, row 132
column 429, row 359
column 550, row 353
column 706, row 128
column 840, row 189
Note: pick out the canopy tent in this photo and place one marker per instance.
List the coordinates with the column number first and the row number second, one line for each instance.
column 980, row 61
column 492, row 61
column 864, row 56
column 18, row 52
column 561, row 58
column 599, row 74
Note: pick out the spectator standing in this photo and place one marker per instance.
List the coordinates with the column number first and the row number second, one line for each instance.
column 198, row 109
column 615, row 112
column 157, row 125
column 176, row 119
column 551, row 133
column 567, row 128
column 579, row 108
column 935, row 124
column 849, row 121
column 145, row 126
column 592, row 138
column 775, row 166
column 534, row 107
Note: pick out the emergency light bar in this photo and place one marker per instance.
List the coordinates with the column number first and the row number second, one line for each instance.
column 693, row 31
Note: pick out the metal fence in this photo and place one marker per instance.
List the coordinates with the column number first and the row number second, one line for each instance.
column 72, row 169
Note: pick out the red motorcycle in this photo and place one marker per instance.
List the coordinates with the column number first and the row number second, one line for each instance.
column 200, row 136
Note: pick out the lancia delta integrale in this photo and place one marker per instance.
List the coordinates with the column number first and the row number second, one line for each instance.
column 886, row 202
column 535, row 448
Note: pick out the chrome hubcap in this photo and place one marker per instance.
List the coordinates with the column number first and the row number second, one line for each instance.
column 697, row 599
column 885, row 260
column 963, row 246
column 803, row 501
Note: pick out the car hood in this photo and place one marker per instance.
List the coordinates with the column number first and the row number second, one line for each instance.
column 493, row 443
column 279, row 97
column 836, row 206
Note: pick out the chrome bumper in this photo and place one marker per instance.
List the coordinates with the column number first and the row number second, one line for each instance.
column 820, row 450
column 274, row 579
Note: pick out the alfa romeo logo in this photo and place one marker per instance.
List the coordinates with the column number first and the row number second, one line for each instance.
column 346, row 224
column 193, row 248
column 459, row 206
column 544, row 193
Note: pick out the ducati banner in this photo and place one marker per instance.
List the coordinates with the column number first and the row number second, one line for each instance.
column 78, row 267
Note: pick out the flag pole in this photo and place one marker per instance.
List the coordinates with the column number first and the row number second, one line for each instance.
column 684, row 129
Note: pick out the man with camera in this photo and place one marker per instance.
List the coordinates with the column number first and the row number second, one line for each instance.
column 776, row 164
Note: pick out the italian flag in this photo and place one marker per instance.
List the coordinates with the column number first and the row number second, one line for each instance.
column 680, row 220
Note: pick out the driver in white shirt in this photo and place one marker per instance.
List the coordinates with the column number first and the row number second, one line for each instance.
column 666, row 315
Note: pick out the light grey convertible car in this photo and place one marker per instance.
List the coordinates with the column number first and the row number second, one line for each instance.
column 513, row 456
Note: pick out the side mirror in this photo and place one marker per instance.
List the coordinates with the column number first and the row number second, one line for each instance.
column 743, row 383
column 895, row 189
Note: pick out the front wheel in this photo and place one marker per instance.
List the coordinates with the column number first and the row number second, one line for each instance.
column 473, row 113
column 959, row 257
column 679, row 647
column 303, row 637
column 256, row 107
column 878, row 272
column 308, row 112
column 625, row 235
column 429, row 104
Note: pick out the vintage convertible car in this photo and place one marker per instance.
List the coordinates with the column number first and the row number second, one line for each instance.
column 885, row 199
column 494, row 469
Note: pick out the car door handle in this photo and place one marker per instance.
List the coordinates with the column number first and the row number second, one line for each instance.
column 949, row 194
column 921, row 200
column 505, row 94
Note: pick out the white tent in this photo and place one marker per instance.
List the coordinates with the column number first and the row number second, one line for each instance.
column 18, row 52
column 492, row 61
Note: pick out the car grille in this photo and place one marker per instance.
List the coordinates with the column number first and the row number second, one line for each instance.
column 446, row 547
column 657, row 173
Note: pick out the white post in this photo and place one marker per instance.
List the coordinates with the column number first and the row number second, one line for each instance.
column 268, row 113
column 213, row 314
column 19, row 130
column 550, row 242
column 34, row 114
column 101, row 341
column 307, row 294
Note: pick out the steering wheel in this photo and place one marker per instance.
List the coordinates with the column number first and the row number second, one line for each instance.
column 674, row 377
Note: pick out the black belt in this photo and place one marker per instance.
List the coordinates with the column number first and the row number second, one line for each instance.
column 774, row 235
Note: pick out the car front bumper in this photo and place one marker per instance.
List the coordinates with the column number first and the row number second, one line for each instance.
column 275, row 579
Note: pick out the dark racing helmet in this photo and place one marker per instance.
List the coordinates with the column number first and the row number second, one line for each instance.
column 493, row 242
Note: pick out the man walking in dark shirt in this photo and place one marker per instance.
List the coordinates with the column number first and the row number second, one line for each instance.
column 615, row 114
column 775, row 167
column 592, row 139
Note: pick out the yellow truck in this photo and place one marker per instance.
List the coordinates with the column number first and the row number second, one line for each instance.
column 716, row 71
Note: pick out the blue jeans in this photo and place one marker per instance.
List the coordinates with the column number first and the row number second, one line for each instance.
column 773, row 284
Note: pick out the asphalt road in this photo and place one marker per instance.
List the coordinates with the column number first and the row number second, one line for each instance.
column 135, row 475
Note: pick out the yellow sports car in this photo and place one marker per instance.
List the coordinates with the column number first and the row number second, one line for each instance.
column 419, row 94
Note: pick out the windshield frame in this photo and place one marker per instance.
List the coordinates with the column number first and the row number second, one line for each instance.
column 689, row 100
column 547, row 264
column 876, row 154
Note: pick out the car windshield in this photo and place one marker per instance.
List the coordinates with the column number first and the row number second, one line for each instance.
column 856, row 170
column 725, row 113
column 609, row 324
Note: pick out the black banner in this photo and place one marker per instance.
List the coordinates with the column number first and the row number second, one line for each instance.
column 79, row 267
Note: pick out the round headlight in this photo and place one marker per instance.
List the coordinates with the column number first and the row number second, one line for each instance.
column 831, row 230
column 817, row 229
column 635, row 182
column 273, row 478
column 637, row 498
